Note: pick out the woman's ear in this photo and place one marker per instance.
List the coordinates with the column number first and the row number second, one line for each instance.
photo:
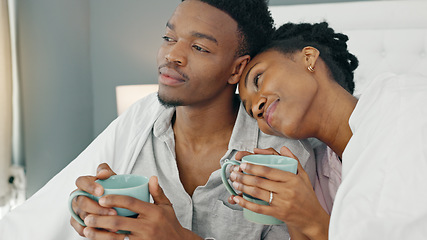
column 311, row 55
column 239, row 64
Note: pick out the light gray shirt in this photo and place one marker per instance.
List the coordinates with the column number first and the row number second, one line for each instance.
column 141, row 141
column 207, row 212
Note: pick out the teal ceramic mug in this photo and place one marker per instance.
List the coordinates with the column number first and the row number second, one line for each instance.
column 127, row 184
column 274, row 161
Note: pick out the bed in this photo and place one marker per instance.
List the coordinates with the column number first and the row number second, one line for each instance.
column 386, row 36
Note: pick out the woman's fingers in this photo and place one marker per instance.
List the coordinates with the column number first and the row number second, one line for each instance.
column 262, row 209
column 268, row 151
column 266, row 172
column 256, row 192
column 284, row 151
column 241, row 154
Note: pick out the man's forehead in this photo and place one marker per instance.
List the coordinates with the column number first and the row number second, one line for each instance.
column 208, row 17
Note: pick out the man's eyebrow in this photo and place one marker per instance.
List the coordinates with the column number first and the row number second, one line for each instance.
column 195, row 34
column 205, row 36
column 170, row 25
column 247, row 74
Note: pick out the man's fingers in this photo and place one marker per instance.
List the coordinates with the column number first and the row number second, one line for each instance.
column 83, row 206
column 88, row 184
column 101, row 234
column 111, row 222
column 121, row 201
column 104, row 171
column 79, row 228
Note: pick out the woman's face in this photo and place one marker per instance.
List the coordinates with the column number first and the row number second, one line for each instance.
column 278, row 91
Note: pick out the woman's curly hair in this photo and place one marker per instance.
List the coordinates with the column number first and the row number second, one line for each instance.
column 332, row 46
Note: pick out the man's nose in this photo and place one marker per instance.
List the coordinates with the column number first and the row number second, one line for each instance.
column 177, row 55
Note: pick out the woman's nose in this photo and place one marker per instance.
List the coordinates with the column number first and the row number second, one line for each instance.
column 258, row 108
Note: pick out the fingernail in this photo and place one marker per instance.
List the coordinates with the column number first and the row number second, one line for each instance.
column 88, row 219
column 243, row 166
column 112, row 212
column 86, row 232
column 98, row 191
column 236, row 199
column 236, row 168
column 233, row 176
column 236, row 185
column 102, row 201
column 102, row 171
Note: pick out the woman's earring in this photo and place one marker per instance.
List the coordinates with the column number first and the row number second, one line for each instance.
column 311, row 69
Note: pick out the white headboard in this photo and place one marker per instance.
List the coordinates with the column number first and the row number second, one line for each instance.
column 386, row 36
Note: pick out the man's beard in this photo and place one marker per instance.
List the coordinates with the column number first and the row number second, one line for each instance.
column 169, row 103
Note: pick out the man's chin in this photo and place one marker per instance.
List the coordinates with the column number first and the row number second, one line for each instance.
column 169, row 102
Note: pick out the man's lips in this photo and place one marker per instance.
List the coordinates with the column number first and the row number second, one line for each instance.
column 170, row 77
column 269, row 113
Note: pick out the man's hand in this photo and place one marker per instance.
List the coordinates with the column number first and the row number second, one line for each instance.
column 82, row 205
column 155, row 221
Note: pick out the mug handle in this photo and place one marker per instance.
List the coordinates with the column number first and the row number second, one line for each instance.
column 224, row 176
column 70, row 206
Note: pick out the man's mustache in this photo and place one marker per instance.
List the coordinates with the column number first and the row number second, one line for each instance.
column 175, row 68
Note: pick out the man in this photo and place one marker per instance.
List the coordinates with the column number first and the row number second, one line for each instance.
column 182, row 141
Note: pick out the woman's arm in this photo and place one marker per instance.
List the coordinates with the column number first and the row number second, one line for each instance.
column 294, row 200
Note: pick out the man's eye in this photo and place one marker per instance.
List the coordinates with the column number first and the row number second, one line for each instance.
column 200, row 49
column 167, row 39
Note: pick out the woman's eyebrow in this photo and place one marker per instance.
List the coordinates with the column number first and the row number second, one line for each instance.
column 247, row 74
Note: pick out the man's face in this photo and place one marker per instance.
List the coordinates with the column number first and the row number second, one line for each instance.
column 196, row 57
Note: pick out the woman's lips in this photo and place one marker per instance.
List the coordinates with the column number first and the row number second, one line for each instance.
column 270, row 111
column 170, row 77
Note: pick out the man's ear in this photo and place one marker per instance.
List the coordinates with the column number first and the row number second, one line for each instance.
column 311, row 55
column 239, row 64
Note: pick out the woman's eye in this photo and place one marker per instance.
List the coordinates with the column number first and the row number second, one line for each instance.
column 256, row 79
column 200, row 49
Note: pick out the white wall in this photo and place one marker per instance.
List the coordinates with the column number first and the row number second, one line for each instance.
column 53, row 52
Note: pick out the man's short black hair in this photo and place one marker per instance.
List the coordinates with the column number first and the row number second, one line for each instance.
column 255, row 24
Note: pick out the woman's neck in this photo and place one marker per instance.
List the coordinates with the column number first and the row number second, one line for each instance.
column 335, row 129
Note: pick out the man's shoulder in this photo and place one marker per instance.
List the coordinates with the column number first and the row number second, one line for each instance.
column 146, row 107
column 142, row 114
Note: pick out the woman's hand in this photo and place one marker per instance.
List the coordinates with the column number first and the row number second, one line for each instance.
column 294, row 200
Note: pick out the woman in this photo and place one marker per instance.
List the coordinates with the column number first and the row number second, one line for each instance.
column 301, row 86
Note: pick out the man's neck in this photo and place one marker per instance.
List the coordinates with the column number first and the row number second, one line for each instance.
column 197, row 125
